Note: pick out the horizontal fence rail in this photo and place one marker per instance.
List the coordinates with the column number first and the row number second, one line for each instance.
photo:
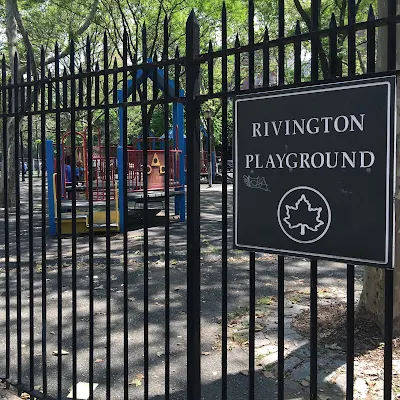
column 105, row 277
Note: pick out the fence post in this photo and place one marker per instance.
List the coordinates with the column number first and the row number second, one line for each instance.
column 193, row 208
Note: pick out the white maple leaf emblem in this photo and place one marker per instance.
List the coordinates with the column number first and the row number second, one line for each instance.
column 313, row 218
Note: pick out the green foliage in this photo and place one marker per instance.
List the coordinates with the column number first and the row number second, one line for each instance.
column 48, row 22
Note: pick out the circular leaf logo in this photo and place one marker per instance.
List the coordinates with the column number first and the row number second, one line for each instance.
column 304, row 214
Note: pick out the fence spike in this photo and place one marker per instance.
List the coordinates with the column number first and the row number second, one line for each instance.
column 266, row 35
column 177, row 52
column 115, row 65
column 88, row 60
column 298, row 29
column 237, row 41
column 371, row 14
column 97, row 66
column 332, row 23
column 210, row 47
column 166, row 37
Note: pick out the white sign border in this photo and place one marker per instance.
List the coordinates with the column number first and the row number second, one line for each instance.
column 334, row 86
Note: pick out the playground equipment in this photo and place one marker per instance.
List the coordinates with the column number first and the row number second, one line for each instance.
column 133, row 170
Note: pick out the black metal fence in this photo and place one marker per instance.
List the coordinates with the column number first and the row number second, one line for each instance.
column 49, row 304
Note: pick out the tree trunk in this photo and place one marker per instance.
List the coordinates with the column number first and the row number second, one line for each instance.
column 373, row 296
column 12, row 40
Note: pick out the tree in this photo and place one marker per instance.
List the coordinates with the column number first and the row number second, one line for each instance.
column 15, row 25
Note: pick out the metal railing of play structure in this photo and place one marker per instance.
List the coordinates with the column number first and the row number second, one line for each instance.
column 135, row 182
column 134, row 172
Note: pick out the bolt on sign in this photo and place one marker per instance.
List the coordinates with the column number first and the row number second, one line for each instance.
column 314, row 171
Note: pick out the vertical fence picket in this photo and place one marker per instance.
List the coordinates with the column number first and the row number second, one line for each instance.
column 266, row 56
column 391, row 35
column 59, row 184
column 125, row 172
column 237, row 64
column 108, row 213
column 167, row 322
column 351, row 18
column 297, row 54
column 252, row 260
column 145, row 124
column 193, row 208
column 18, row 109
column 31, row 224
column 333, row 60
column 91, row 213
column 281, row 47
column 43, row 222
column 371, row 42
column 388, row 335
column 315, row 9
column 281, row 327
column 224, row 272
column 350, row 332
column 73, row 166
column 5, row 141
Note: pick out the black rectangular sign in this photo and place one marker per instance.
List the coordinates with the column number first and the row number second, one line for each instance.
column 314, row 171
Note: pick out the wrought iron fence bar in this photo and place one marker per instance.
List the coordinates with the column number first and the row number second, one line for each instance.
column 391, row 38
column 388, row 335
column 250, row 23
column 167, row 316
column 193, row 210
column 43, row 221
column 108, row 219
column 30, row 229
column 351, row 37
column 313, row 330
column 281, row 46
column 371, row 43
column 145, row 123
column 125, row 212
column 350, row 333
column 59, row 185
column 224, row 271
column 237, row 65
column 210, row 64
column 73, row 190
column 6, row 92
column 18, row 107
column 266, row 57
column 297, row 56
column 333, row 60
column 281, row 327
column 252, row 322
column 91, row 213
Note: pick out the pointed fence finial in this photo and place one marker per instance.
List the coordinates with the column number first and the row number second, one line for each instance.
column 371, row 14
column 266, row 34
column 298, row 29
column 332, row 23
column 237, row 41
